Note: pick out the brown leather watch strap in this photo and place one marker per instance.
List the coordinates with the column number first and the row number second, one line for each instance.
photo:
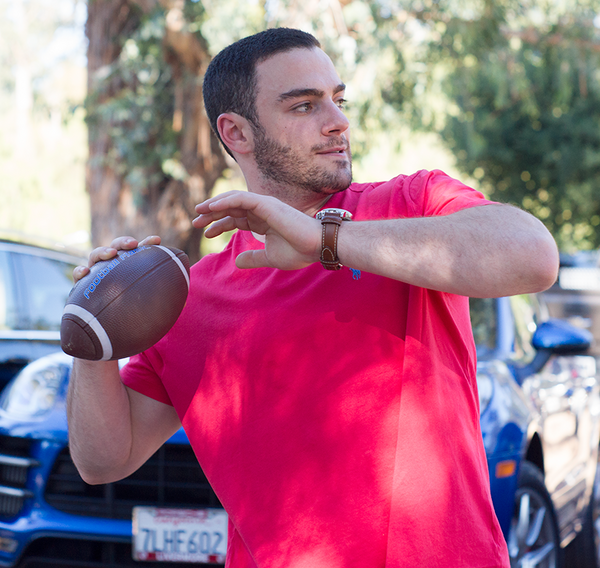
column 331, row 219
column 331, row 222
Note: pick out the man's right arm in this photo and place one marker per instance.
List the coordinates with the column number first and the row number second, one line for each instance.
column 113, row 429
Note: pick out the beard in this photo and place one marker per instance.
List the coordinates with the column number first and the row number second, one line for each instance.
column 281, row 164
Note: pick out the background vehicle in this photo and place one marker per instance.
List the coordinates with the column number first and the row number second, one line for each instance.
column 34, row 284
column 540, row 411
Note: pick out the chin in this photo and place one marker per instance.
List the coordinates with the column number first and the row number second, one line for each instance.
column 332, row 189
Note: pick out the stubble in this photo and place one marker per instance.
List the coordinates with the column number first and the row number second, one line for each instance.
column 280, row 164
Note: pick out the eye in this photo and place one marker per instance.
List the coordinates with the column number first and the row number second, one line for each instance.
column 304, row 107
column 341, row 103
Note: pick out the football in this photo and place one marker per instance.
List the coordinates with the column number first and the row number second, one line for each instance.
column 126, row 304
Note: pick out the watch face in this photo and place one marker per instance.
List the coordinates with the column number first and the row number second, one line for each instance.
column 345, row 215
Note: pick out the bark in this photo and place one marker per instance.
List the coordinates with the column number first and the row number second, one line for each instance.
column 167, row 207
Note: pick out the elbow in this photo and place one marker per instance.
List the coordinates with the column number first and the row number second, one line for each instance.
column 91, row 478
column 97, row 471
column 542, row 264
column 97, row 476
column 550, row 276
column 91, row 473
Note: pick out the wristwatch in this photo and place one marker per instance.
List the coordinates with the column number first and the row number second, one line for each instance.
column 331, row 219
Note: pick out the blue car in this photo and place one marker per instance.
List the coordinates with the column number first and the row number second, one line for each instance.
column 34, row 284
column 540, row 418
column 539, row 404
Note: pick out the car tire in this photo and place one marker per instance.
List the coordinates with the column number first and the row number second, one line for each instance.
column 533, row 539
column 584, row 551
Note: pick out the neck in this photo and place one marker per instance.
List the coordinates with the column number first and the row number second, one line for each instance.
column 312, row 208
column 302, row 200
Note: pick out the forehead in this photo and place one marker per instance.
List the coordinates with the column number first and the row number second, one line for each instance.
column 295, row 69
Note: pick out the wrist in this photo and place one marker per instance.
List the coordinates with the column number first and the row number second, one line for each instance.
column 331, row 221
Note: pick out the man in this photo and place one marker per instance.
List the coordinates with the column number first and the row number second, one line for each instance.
column 333, row 409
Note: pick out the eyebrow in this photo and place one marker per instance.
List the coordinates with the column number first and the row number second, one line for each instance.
column 297, row 93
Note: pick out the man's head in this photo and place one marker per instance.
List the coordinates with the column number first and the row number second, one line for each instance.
column 230, row 80
column 276, row 102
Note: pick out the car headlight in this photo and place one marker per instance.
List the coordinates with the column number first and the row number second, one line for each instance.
column 33, row 392
column 485, row 389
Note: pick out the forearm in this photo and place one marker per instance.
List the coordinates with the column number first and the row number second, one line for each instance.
column 113, row 429
column 486, row 251
column 98, row 410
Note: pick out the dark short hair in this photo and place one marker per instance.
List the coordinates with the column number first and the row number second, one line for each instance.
column 230, row 80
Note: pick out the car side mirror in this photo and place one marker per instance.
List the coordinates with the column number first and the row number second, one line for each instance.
column 554, row 337
column 560, row 337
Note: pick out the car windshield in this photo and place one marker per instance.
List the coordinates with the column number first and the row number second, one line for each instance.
column 33, row 290
column 47, row 286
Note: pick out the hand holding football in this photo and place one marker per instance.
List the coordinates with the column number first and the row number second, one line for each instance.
column 126, row 304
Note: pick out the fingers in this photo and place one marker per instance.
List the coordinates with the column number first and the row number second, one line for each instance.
column 123, row 243
column 106, row 253
column 120, row 243
column 205, row 206
column 151, row 240
column 292, row 237
column 235, row 204
column 234, row 210
column 79, row 272
column 225, row 225
column 205, row 219
column 250, row 211
column 98, row 254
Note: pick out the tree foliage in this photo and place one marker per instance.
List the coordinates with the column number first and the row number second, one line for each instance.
column 511, row 87
column 152, row 157
column 523, row 117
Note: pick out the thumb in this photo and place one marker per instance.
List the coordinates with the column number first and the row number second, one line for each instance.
column 252, row 259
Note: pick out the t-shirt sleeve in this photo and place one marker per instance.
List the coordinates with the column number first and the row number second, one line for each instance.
column 436, row 193
column 140, row 375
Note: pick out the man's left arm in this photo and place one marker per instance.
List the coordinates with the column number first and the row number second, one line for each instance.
column 484, row 251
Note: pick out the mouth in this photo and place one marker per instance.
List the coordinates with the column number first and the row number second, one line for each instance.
column 336, row 151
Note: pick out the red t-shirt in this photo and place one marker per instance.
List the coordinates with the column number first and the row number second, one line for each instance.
column 335, row 416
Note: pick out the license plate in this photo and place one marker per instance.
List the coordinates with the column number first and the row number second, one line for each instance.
column 179, row 535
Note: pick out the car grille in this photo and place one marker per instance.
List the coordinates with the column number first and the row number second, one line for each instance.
column 170, row 478
column 14, row 468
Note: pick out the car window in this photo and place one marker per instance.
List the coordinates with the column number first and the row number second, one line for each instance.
column 484, row 320
column 8, row 300
column 47, row 283
column 525, row 313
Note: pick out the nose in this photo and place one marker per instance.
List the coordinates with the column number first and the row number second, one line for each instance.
column 336, row 121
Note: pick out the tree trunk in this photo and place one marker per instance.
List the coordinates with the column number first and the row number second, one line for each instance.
column 164, row 207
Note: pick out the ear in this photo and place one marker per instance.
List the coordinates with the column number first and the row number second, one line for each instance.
column 235, row 132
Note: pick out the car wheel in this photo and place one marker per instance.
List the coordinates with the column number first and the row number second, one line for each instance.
column 533, row 537
column 584, row 551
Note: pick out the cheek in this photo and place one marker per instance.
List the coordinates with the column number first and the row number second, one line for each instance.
column 297, row 135
column 304, row 134
column 290, row 137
